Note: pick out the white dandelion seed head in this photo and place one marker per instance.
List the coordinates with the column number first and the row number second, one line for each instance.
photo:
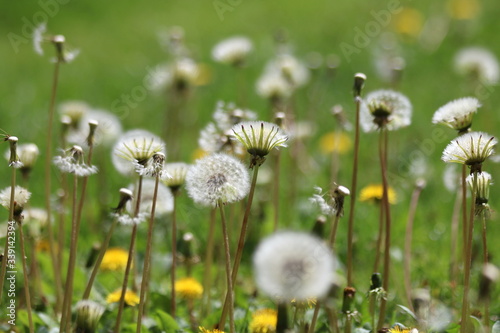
column 272, row 85
column 471, row 149
column 164, row 199
column 154, row 167
column 185, row 70
column 160, row 77
column 177, row 172
column 479, row 63
column 38, row 37
column 72, row 161
column 210, row 139
column 385, row 108
column 75, row 110
column 451, row 177
column 135, row 147
column 259, row 137
column 21, row 197
column 457, row 114
column 319, row 200
column 127, row 218
column 88, row 314
column 28, row 154
column 226, row 115
column 108, row 130
column 291, row 69
column 484, row 181
column 232, row 51
column 217, row 178
column 293, row 265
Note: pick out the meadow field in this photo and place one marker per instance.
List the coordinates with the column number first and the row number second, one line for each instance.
column 298, row 77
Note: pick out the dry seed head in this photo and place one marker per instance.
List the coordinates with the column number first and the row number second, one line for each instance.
column 457, row 114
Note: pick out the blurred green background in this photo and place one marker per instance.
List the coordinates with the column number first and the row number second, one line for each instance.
column 118, row 43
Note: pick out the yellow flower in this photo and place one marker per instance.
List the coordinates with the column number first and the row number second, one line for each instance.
column 198, row 153
column 115, row 259
column 335, row 141
column 374, row 192
column 464, row 9
column 264, row 321
column 188, row 288
column 409, row 22
column 131, row 297
column 204, row 330
column 311, row 302
column 398, row 329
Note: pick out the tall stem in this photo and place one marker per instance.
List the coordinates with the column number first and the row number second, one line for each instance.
column 385, row 201
column 350, row 232
column 454, row 240
column 241, row 241
column 98, row 261
column 25, row 274
column 228, row 271
column 408, row 239
column 56, row 265
column 465, row 227
column 466, row 324
column 485, row 260
column 276, row 190
column 379, row 238
column 129, row 260
column 207, row 279
column 147, row 258
column 11, row 218
column 174, row 258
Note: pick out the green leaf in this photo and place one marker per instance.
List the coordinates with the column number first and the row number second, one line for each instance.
column 165, row 322
column 407, row 311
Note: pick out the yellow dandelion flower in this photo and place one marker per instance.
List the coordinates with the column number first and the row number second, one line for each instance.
column 335, row 141
column 131, row 297
column 205, row 75
column 464, row 9
column 198, row 153
column 43, row 246
column 115, row 259
column 188, row 288
column 409, row 22
column 204, row 330
column 374, row 192
column 311, row 302
column 398, row 329
column 264, row 321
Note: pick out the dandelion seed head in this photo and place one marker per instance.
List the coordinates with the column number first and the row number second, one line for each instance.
column 273, row 86
column 38, row 37
column 478, row 63
column 233, row 51
column 471, row 149
column 217, row 178
column 21, row 197
column 457, row 114
column 72, row 162
column 106, row 133
column 385, row 108
column 177, row 172
column 293, row 265
column 164, row 201
column 291, row 69
column 75, row 110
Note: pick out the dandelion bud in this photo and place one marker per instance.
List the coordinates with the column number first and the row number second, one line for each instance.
column 92, row 256
column 338, row 194
column 348, row 302
column 58, row 41
column 88, row 314
column 359, row 82
column 92, row 128
column 14, row 160
column 376, row 281
column 186, row 246
column 125, row 196
column 489, row 275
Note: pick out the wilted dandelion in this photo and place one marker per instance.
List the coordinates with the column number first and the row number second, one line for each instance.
column 471, row 149
column 217, row 178
column 479, row 64
column 292, row 265
column 457, row 114
column 263, row 321
column 385, row 109
column 188, row 288
column 233, row 51
column 135, row 148
column 88, row 314
column 335, row 202
column 259, row 138
column 21, row 197
column 115, row 259
column 73, row 162
column 374, row 192
column 14, row 160
column 131, row 297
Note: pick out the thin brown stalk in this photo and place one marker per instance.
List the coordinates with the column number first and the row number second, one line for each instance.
column 408, row 239
column 465, row 227
column 380, row 236
column 228, row 271
column 130, row 259
column 146, row 270
column 465, row 320
column 11, row 218
column 25, row 274
column 174, row 258
column 98, row 261
column 207, row 278
column 485, row 260
column 276, row 190
column 241, row 241
column 454, row 240
column 350, row 223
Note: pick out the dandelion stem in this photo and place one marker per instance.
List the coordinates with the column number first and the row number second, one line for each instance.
column 385, row 201
column 228, row 271
column 174, row 257
column 146, row 271
column 454, row 239
column 98, row 261
column 408, row 239
column 11, row 218
column 25, row 274
column 208, row 261
column 276, row 190
column 282, row 323
column 56, row 265
column 485, row 255
column 350, row 232
column 379, row 238
column 129, row 260
column 464, row 212
column 466, row 325
column 241, row 241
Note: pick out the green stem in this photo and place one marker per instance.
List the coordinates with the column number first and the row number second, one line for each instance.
column 208, row 262
column 379, row 238
column 485, row 258
column 228, row 271
column 276, row 190
column 454, row 239
column 25, row 274
column 174, row 258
